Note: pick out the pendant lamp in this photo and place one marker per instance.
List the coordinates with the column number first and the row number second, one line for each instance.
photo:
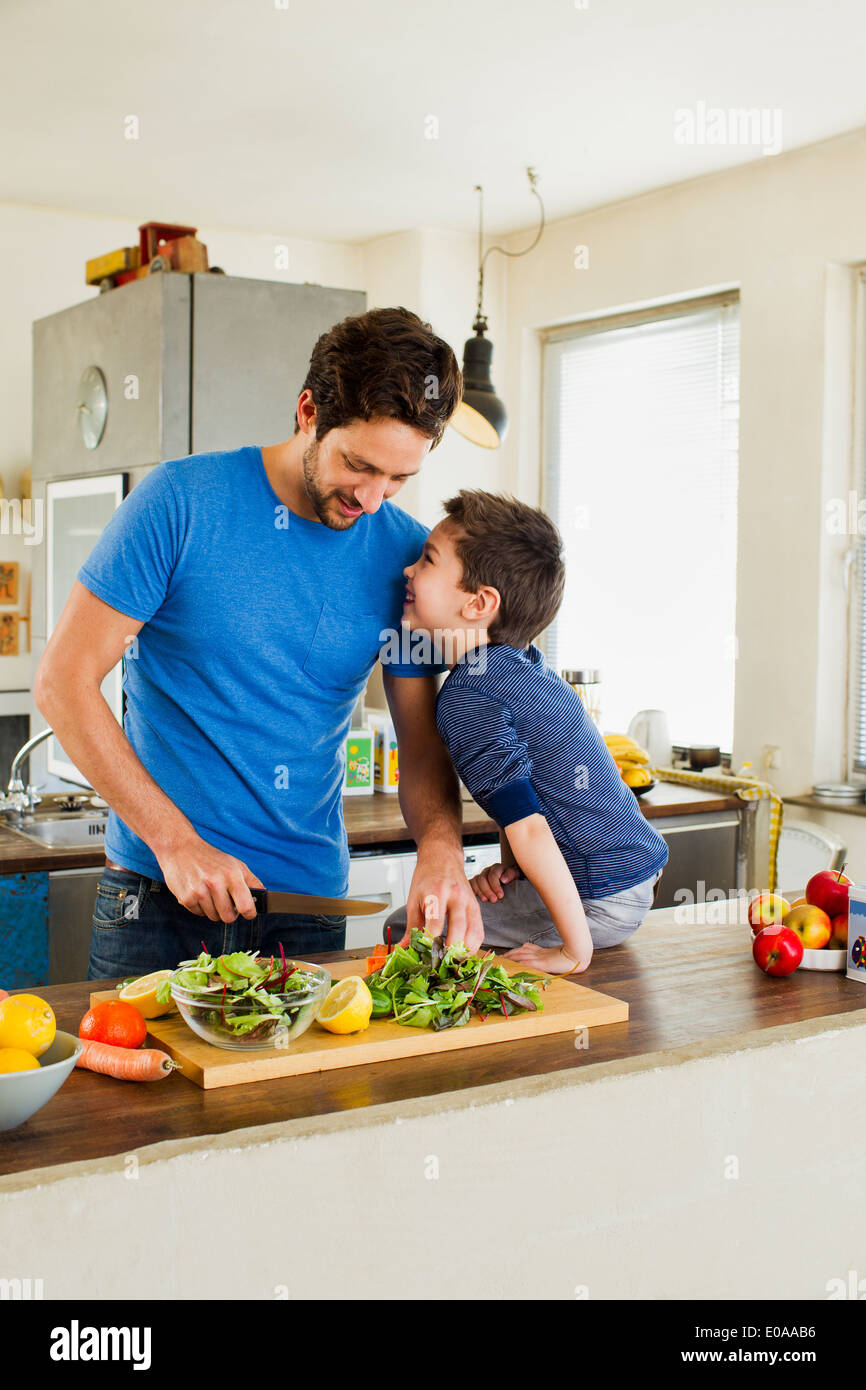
column 481, row 416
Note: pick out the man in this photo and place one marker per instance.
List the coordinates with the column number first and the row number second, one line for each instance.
column 249, row 593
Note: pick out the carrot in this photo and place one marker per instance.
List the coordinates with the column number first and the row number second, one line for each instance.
column 376, row 960
column 126, row 1063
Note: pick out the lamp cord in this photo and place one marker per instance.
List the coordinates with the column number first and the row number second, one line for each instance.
column 532, row 176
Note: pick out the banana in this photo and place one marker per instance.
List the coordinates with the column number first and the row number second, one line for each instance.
column 624, row 749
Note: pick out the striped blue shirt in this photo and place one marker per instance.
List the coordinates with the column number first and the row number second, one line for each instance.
column 522, row 742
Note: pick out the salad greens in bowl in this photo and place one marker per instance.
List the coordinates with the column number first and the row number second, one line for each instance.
column 245, row 1001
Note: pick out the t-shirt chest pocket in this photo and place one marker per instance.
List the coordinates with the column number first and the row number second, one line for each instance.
column 344, row 648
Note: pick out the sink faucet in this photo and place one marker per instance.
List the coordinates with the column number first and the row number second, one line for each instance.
column 18, row 800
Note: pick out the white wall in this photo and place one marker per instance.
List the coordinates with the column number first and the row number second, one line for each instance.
column 435, row 274
column 780, row 229
column 727, row 1169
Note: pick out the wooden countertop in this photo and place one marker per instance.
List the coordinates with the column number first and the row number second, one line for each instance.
column 685, row 984
column 370, row 820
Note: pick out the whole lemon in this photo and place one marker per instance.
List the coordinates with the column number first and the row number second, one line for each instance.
column 636, row 777
column 16, row 1059
column 27, row 1022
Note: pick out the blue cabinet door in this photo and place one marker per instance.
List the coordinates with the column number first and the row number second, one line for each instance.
column 23, row 930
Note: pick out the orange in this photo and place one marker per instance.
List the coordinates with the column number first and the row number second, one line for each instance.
column 115, row 1022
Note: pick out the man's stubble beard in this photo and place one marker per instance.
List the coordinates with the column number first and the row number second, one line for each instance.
column 317, row 498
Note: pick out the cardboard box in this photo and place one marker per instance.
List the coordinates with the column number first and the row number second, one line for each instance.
column 358, row 767
column 855, row 966
column 386, row 771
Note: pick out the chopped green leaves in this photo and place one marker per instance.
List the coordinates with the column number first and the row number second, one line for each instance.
column 429, row 985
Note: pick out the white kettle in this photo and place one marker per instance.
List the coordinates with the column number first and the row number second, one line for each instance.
column 649, row 728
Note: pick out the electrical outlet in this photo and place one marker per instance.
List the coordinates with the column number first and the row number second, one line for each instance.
column 772, row 757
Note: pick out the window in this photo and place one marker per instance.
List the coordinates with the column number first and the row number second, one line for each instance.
column 641, row 417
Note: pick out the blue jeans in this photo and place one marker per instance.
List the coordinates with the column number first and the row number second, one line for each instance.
column 520, row 915
column 139, row 926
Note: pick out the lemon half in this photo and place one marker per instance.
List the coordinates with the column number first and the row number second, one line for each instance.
column 348, row 1007
column 142, row 993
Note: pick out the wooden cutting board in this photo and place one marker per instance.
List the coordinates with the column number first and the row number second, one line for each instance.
column 567, row 1008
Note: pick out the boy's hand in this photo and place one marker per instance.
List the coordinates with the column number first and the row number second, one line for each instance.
column 554, row 960
column 488, row 884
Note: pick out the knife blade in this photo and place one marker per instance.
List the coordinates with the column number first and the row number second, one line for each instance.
column 267, row 900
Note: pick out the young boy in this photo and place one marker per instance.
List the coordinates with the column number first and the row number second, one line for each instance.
column 579, row 860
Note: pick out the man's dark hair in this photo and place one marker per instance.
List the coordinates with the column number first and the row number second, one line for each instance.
column 513, row 548
column 386, row 362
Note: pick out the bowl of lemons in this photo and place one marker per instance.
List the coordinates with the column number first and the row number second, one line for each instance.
column 632, row 761
column 35, row 1058
column 640, row 779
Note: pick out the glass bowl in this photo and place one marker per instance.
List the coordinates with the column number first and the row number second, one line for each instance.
column 230, row 1024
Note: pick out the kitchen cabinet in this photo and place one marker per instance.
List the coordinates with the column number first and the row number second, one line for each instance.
column 388, row 877
column 24, row 931
column 71, row 898
column 375, row 876
column 703, row 854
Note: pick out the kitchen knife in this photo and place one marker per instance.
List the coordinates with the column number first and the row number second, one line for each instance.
column 267, row 901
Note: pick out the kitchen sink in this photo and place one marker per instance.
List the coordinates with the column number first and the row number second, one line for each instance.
column 64, row 832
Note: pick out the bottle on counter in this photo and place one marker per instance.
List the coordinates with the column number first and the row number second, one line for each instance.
column 587, row 683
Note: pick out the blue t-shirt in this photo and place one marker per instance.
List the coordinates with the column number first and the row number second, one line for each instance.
column 523, row 743
column 260, row 631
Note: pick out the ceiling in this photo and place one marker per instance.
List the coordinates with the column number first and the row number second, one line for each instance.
column 310, row 119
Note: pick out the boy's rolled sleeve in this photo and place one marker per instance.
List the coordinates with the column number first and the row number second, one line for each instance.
column 489, row 756
column 410, row 654
column 131, row 565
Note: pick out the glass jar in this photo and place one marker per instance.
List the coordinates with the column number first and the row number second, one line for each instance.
column 587, row 683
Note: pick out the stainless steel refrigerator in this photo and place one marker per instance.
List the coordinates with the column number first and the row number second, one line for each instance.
column 165, row 366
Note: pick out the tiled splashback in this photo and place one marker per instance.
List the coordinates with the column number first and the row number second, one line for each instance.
column 14, row 732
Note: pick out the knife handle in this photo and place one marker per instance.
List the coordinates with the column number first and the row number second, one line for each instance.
column 259, row 898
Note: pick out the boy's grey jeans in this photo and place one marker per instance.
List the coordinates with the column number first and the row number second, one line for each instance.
column 521, row 916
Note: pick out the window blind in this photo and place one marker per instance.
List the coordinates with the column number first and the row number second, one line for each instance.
column 859, row 654
column 640, row 461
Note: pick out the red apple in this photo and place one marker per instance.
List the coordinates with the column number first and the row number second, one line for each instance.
column 838, row 932
column 777, row 950
column 811, row 925
column 766, row 909
column 829, row 891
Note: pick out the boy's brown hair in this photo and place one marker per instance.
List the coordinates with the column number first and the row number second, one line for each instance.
column 386, row 362
column 513, row 548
